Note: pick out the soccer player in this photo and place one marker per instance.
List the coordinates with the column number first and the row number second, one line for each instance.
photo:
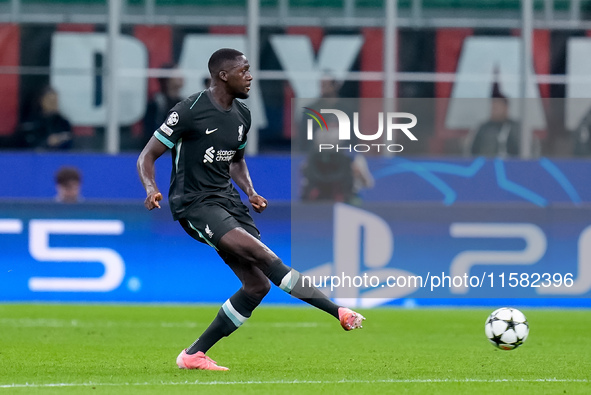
column 207, row 133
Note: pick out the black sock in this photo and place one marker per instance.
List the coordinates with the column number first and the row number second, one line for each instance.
column 233, row 313
column 291, row 282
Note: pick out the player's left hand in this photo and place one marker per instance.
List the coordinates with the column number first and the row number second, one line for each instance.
column 259, row 203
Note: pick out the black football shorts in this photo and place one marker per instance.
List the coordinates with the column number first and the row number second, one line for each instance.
column 212, row 218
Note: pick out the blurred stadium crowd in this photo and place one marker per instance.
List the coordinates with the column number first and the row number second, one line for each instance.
column 54, row 69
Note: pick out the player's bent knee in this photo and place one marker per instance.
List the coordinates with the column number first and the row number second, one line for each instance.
column 258, row 289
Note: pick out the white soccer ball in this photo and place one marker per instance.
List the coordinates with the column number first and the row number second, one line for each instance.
column 506, row 328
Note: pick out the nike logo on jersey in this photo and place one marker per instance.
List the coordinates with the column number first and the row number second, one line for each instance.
column 207, row 131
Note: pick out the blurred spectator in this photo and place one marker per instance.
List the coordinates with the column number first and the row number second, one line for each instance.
column 328, row 176
column 329, row 99
column 499, row 136
column 582, row 137
column 164, row 100
column 362, row 178
column 68, row 181
column 334, row 176
column 329, row 90
column 46, row 128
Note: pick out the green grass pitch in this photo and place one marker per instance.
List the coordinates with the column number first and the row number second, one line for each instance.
column 112, row 349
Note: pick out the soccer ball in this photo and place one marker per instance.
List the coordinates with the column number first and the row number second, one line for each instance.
column 506, row 328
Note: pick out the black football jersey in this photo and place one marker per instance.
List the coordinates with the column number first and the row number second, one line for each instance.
column 203, row 138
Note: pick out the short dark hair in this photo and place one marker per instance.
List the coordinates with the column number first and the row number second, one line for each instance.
column 66, row 174
column 219, row 57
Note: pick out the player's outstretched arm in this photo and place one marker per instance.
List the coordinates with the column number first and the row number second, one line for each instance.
column 240, row 175
column 145, row 168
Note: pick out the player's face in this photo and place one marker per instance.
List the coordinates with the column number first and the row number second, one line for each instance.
column 239, row 78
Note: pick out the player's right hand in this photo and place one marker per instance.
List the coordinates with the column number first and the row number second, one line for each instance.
column 259, row 203
column 152, row 200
